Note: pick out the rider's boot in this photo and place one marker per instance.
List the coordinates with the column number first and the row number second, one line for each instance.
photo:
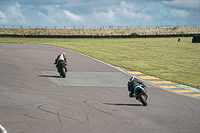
column 66, row 69
column 57, row 68
column 132, row 95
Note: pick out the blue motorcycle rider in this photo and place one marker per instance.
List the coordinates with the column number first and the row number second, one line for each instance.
column 132, row 83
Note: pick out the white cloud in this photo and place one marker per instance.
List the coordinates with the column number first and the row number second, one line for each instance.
column 124, row 14
column 3, row 15
column 136, row 16
column 130, row 14
column 99, row 13
column 125, row 5
column 46, row 19
column 106, row 18
column 183, row 4
column 3, row 18
column 72, row 16
column 14, row 12
column 179, row 13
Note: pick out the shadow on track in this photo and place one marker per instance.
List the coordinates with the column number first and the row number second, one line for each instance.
column 51, row 76
column 122, row 104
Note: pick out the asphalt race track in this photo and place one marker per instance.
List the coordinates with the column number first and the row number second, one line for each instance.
column 93, row 98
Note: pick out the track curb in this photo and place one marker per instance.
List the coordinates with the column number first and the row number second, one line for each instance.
column 167, row 85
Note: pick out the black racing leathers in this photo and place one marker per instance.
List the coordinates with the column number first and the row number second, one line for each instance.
column 132, row 84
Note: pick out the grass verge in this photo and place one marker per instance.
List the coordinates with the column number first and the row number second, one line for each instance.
column 164, row 58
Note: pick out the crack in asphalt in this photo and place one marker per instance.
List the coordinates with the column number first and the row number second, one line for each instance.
column 98, row 109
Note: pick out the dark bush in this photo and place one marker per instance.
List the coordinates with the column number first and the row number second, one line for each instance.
column 134, row 35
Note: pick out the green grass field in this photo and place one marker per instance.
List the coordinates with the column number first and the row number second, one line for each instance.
column 164, row 58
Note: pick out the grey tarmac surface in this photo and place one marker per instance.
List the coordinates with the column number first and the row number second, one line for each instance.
column 93, row 98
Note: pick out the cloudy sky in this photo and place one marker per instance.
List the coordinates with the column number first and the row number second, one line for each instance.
column 98, row 13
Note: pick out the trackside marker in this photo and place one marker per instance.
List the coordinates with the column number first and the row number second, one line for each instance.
column 168, row 87
column 161, row 82
column 135, row 72
column 195, row 95
column 182, row 91
column 147, row 77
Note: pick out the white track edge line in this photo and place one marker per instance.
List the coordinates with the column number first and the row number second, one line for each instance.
column 2, row 129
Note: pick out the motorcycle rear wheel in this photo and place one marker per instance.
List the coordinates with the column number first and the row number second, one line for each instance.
column 142, row 99
column 62, row 73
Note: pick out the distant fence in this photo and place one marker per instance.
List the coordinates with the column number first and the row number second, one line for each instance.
column 120, row 32
column 97, row 27
column 97, row 36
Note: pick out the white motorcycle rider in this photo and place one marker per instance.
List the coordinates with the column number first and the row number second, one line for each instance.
column 61, row 64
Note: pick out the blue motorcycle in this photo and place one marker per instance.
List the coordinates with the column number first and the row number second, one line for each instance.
column 141, row 94
column 138, row 90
